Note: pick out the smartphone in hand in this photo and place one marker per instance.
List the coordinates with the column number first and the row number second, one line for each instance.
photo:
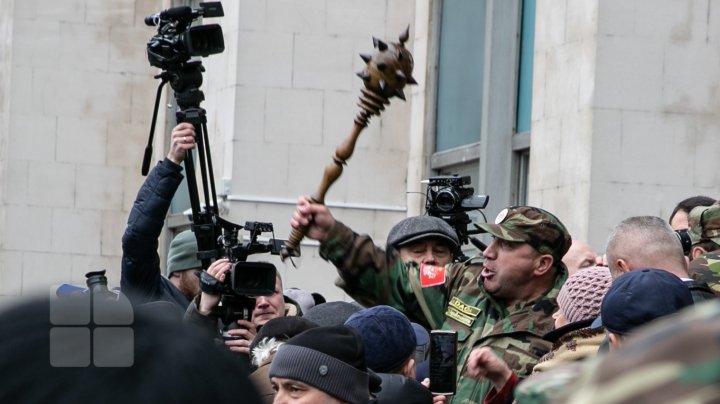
column 443, row 362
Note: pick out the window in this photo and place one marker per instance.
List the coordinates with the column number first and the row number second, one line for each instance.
column 460, row 73
column 483, row 95
column 527, row 39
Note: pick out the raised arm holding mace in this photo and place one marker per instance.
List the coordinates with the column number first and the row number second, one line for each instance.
column 386, row 73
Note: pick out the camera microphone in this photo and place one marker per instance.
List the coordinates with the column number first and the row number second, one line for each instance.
column 175, row 13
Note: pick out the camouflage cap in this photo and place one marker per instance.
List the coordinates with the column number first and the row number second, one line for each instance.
column 535, row 226
column 704, row 223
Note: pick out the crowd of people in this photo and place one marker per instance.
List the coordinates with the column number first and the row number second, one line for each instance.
column 539, row 317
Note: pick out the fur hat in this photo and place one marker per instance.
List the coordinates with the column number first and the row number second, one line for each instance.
column 331, row 359
column 582, row 294
column 278, row 329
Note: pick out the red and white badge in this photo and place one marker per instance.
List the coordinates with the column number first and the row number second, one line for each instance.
column 431, row 275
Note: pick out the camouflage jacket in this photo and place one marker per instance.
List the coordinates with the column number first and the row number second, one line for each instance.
column 676, row 359
column 373, row 276
column 706, row 268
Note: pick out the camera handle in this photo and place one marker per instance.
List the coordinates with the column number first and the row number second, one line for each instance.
column 164, row 77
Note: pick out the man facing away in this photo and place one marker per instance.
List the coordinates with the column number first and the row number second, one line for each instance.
column 648, row 242
column 141, row 279
column 504, row 299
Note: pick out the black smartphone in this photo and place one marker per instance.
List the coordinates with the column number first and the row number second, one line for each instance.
column 443, row 362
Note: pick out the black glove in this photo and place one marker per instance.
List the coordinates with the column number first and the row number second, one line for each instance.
column 210, row 284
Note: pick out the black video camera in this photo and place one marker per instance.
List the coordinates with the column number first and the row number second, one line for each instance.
column 243, row 282
column 175, row 43
column 448, row 194
column 449, row 198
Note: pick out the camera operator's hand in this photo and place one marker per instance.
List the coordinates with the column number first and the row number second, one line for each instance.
column 182, row 140
column 245, row 336
column 218, row 270
column 315, row 216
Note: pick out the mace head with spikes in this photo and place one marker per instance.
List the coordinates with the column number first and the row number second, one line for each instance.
column 389, row 68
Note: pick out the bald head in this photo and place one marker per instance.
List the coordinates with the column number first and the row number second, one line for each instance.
column 579, row 256
column 645, row 242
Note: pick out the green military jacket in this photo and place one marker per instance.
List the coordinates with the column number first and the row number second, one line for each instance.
column 373, row 276
column 706, row 268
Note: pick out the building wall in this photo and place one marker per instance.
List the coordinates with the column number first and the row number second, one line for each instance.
column 282, row 97
column 279, row 100
column 78, row 110
column 625, row 109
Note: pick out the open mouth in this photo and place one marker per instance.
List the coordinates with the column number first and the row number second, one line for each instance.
column 487, row 274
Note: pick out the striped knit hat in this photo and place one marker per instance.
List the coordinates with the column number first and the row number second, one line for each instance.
column 582, row 294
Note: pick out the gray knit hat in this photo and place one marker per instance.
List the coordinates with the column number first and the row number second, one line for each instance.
column 419, row 227
column 582, row 294
column 331, row 359
column 182, row 254
column 331, row 313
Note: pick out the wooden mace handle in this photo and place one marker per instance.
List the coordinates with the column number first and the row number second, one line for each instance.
column 387, row 71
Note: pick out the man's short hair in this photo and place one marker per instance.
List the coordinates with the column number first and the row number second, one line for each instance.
column 644, row 240
column 686, row 205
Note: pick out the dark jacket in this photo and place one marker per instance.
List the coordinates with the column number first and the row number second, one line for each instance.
column 700, row 291
column 397, row 388
column 141, row 279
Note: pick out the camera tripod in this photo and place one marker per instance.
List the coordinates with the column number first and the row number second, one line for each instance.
column 185, row 81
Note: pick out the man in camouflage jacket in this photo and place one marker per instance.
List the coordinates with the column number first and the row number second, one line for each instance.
column 504, row 299
column 704, row 231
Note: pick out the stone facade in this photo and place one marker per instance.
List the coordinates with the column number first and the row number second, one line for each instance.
column 624, row 121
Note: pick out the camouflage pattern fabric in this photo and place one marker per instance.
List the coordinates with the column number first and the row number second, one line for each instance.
column 674, row 360
column 572, row 347
column 559, row 367
column 537, row 227
column 706, row 268
column 704, row 223
column 547, row 387
column 373, row 276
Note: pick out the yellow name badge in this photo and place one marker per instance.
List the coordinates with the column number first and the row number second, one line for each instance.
column 461, row 312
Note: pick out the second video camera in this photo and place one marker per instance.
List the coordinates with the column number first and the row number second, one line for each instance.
column 449, row 194
column 175, row 43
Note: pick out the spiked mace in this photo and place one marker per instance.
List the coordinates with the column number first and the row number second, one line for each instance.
column 388, row 69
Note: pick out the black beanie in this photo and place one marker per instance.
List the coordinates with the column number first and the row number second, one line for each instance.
column 331, row 359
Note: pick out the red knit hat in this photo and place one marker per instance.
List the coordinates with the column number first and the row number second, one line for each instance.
column 582, row 294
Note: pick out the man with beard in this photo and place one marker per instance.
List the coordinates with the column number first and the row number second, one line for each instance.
column 503, row 299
